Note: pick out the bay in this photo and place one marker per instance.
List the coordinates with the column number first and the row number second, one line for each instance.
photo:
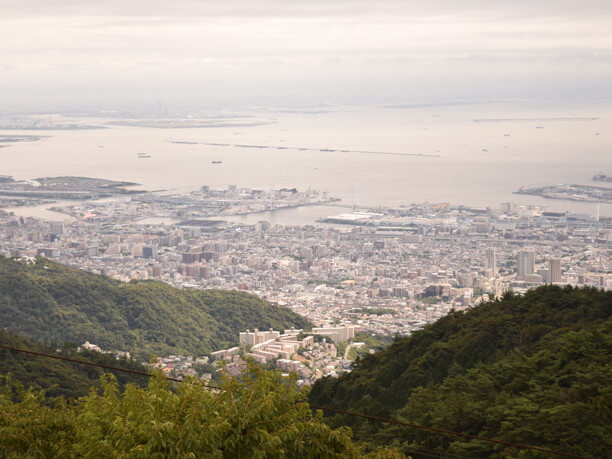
column 480, row 163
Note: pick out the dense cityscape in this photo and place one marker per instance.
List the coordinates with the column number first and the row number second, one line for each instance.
column 381, row 272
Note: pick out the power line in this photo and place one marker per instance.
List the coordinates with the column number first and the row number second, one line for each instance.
column 316, row 407
column 438, row 454
column 83, row 362
column 428, row 452
column 434, row 429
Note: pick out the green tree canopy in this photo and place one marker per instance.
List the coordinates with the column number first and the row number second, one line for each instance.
column 532, row 369
column 260, row 414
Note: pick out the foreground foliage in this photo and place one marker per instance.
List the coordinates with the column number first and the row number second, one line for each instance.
column 531, row 369
column 50, row 302
column 260, row 415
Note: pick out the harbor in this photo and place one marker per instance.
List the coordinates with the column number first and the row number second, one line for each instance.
column 580, row 193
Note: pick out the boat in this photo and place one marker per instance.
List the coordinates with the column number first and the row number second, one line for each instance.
column 601, row 177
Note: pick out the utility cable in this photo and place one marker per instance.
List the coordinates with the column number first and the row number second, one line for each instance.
column 83, row 362
column 316, row 407
column 434, row 429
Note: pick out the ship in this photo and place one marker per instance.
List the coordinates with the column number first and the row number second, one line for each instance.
column 601, row 177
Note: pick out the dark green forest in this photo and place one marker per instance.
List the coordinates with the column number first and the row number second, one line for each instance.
column 55, row 377
column 531, row 369
column 52, row 303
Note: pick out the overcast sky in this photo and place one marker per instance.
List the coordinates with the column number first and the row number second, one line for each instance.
column 69, row 52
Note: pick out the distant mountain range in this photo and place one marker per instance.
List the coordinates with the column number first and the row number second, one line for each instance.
column 54, row 304
column 533, row 369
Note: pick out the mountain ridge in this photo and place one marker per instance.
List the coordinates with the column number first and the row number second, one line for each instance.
column 483, row 372
column 54, row 303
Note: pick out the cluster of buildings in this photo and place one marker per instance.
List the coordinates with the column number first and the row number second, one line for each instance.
column 308, row 355
column 196, row 208
column 182, row 365
column 87, row 346
column 526, row 269
column 292, row 351
column 172, row 365
column 385, row 272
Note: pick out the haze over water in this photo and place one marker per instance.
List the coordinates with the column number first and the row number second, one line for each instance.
column 480, row 164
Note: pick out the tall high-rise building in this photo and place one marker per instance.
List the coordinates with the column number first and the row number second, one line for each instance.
column 490, row 262
column 262, row 226
column 555, row 270
column 57, row 228
column 525, row 262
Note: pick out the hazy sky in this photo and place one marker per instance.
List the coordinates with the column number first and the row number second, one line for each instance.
column 65, row 52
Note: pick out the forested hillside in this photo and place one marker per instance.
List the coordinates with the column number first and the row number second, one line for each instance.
column 58, row 378
column 531, row 369
column 53, row 303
